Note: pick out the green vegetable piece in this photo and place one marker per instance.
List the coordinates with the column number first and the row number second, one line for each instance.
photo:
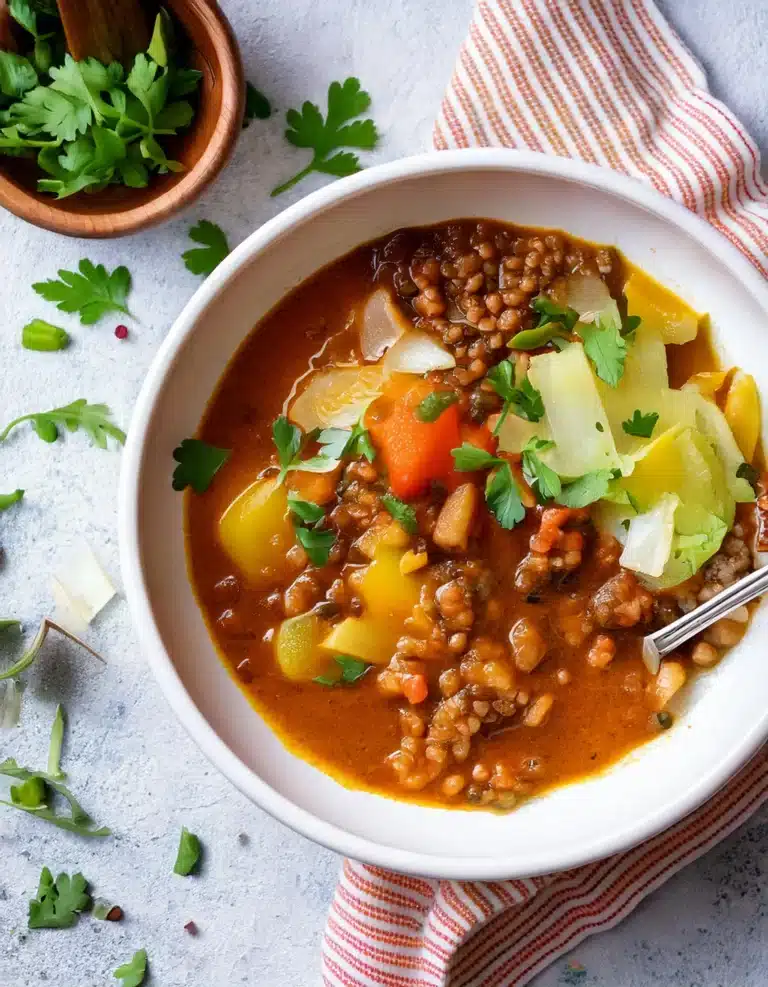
column 257, row 106
column 44, row 337
column 9, row 499
column 133, row 973
column 188, row 854
column 56, row 744
column 664, row 719
column 523, row 401
column 433, row 405
column 198, row 463
column 10, row 624
column 305, row 510
column 541, row 478
column 317, row 543
column 93, row 419
column 308, row 129
column 605, row 347
column 503, row 497
column 641, row 425
column 78, row 821
column 352, row 670
column 205, row 259
column 631, row 325
column 58, row 903
column 744, row 472
column 30, row 794
column 403, row 513
column 586, row 489
column 92, row 292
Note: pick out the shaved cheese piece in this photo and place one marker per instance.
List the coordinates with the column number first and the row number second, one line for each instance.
column 80, row 592
column 383, row 324
column 649, row 538
column 417, row 353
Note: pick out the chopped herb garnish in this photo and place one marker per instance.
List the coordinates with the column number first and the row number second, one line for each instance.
column 433, row 405
column 501, row 491
column 257, row 106
column 750, row 474
column 586, row 489
column 317, row 543
column 541, row 478
column 605, row 347
column 641, row 425
column 403, row 513
column 56, row 744
column 9, row 499
column 43, row 337
column 550, row 311
column 339, row 443
column 625, row 524
column 78, row 821
column 198, row 463
column 555, row 322
column 91, row 418
column 92, row 292
column 289, row 442
column 205, row 259
column 599, row 426
column 308, row 129
column 352, row 670
column 133, row 973
column 468, row 458
column 305, row 510
column 58, row 903
column 523, row 401
column 188, row 853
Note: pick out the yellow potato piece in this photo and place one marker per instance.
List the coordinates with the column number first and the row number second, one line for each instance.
column 383, row 534
column 742, row 412
column 255, row 531
column 366, row 638
column 386, row 592
column 413, row 561
column 336, row 398
column 660, row 308
column 297, row 647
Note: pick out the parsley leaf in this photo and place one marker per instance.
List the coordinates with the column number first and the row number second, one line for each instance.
column 308, row 129
column 317, row 543
column 503, row 497
column 198, row 463
column 132, row 973
column 433, row 405
column 305, row 510
column 289, row 442
column 641, row 425
column 8, row 500
column 205, row 259
column 188, row 854
column 91, row 418
column 586, row 489
column 605, row 347
column 524, row 401
column 468, row 458
column 541, row 478
column 91, row 292
column 403, row 513
column 257, row 106
column 352, row 670
column 744, row 472
column 340, row 442
column 17, row 75
column 58, row 903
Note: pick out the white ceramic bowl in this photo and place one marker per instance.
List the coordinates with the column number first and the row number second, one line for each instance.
column 725, row 715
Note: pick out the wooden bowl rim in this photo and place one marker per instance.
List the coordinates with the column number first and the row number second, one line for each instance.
column 103, row 223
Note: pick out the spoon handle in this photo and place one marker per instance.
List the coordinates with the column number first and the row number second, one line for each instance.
column 661, row 642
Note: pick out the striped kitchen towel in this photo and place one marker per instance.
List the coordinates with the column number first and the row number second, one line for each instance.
column 608, row 82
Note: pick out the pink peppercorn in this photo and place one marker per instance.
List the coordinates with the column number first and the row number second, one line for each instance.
column 121, row 332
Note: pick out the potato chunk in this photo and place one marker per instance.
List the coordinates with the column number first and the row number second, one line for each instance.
column 455, row 520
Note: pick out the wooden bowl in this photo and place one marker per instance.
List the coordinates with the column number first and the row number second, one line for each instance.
column 204, row 148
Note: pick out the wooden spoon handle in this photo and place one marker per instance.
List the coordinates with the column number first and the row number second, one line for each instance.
column 110, row 30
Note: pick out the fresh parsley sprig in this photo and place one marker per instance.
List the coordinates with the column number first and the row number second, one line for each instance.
column 308, row 129
column 90, row 291
column 403, row 513
column 605, row 347
column 342, row 443
column 524, row 401
column 93, row 419
column 502, row 493
column 587, row 488
column 289, row 442
column 205, row 259
column 134, row 971
column 316, row 540
column 351, row 671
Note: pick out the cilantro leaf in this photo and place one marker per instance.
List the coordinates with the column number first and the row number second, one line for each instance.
column 586, row 489
column 541, row 478
column 317, row 543
column 308, row 129
column 744, row 472
column 641, row 425
column 305, row 510
column 257, row 106
column 188, row 854
column 605, row 347
column 524, row 401
column 503, row 497
column 352, row 670
column 17, row 75
column 92, row 292
column 91, row 418
column 133, row 973
column 403, row 513
column 8, row 500
column 205, row 259
column 433, row 405
column 555, row 322
column 58, row 903
column 198, row 463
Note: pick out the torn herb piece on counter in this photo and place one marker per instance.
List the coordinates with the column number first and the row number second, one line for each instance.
column 206, row 258
column 93, row 419
column 133, row 973
column 188, row 855
column 257, row 106
column 92, row 125
column 198, row 463
column 502, row 493
column 9, row 499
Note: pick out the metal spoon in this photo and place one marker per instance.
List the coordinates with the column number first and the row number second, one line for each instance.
column 661, row 642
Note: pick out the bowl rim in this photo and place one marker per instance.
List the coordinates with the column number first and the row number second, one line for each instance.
column 302, row 821
column 34, row 209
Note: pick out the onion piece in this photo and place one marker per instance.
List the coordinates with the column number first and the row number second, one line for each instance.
column 80, row 591
column 383, row 324
column 337, row 398
column 417, row 352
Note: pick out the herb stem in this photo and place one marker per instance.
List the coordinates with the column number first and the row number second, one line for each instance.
column 295, row 180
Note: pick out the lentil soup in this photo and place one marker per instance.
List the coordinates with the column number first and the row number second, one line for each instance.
column 470, row 467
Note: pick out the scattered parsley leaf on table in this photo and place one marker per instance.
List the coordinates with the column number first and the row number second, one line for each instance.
column 91, row 418
column 352, row 670
column 188, row 854
column 308, row 129
column 198, row 463
column 92, row 292
column 132, row 973
column 58, row 903
column 8, row 500
column 641, row 425
column 205, row 259
column 403, row 513
column 78, row 821
column 257, row 106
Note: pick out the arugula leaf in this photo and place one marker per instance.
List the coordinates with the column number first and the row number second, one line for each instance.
column 17, row 75
column 305, row 510
column 641, row 425
column 317, row 543
column 8, row 500
column 257, row 106
column 43, row 337
column 503, row 497
column 586, row 489
column 289, row 442
column 308, row 129
column 541, row 478
column 188, row 854
column 198, row 463
column 91, row 418
column 56, row 744
column 605, row 347
column 524, row 401
column 433, row 405
column 403, row 513
column 744, row 472
column 133, row 973
column 338, row 443
column 205, row 259
column 58, row 903
column 92, row 292
column 352, row 670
